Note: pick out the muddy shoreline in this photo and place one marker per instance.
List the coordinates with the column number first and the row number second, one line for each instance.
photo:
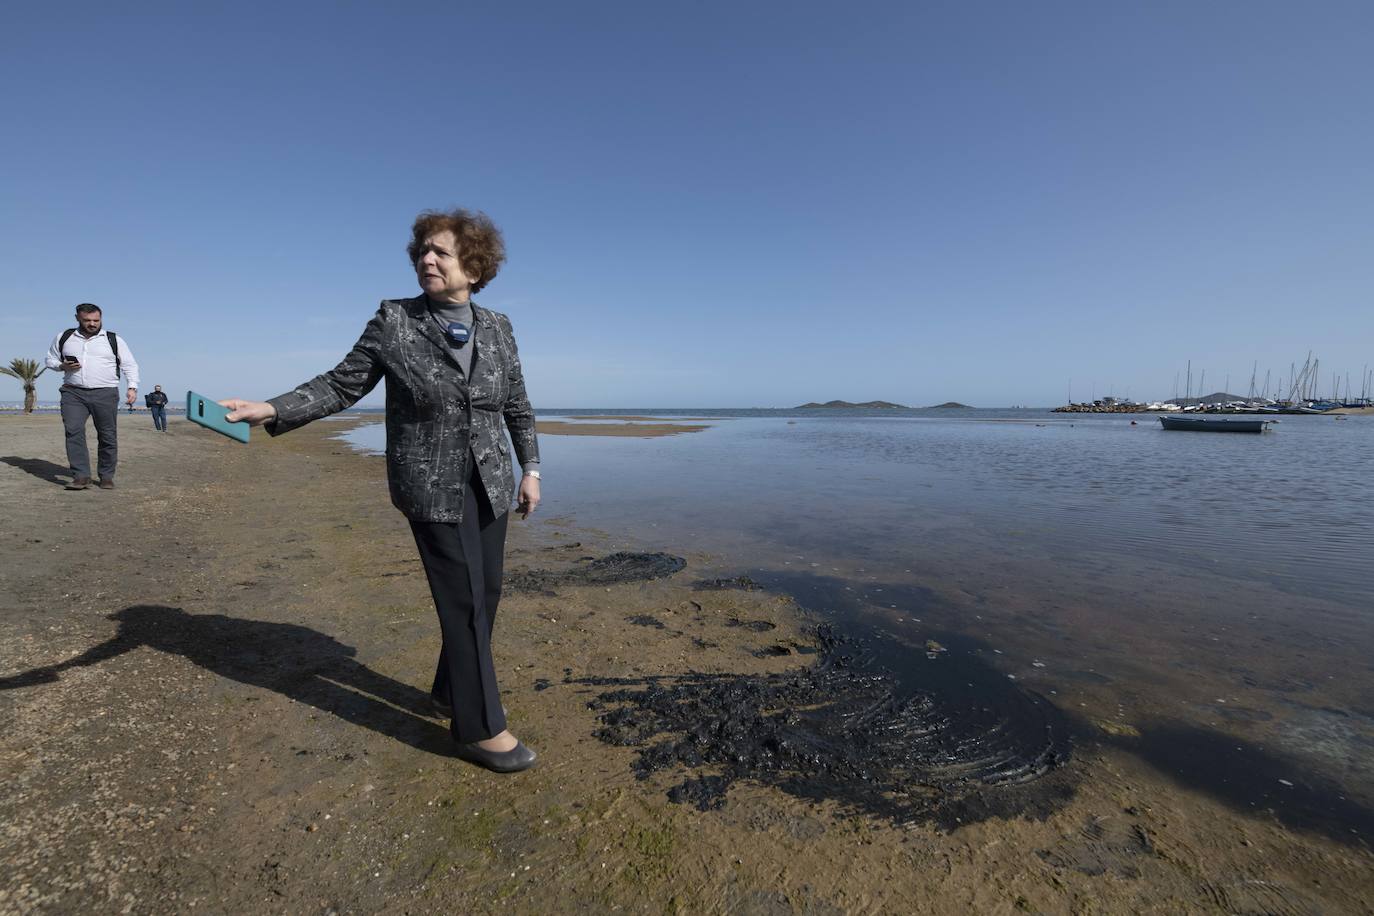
column 213, row 696
column 630, row 430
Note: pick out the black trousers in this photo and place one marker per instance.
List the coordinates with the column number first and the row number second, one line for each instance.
column 464, row 563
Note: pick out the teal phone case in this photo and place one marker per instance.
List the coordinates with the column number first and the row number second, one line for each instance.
column 203, row 410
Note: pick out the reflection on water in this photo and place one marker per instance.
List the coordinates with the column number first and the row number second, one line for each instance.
column 1131, row 574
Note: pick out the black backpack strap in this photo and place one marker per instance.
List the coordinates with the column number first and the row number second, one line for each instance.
column 114, row 348
column 62, row 341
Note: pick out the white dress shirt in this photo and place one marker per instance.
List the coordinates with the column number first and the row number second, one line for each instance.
column 97, row 361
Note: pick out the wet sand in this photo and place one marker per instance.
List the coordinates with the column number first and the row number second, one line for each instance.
column 637, row 419
column 613, row 417
column 637, row 430
column 213, row 696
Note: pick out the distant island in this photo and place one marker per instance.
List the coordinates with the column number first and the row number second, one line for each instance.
column 1216, row 397
column 951, row 405
column 866, row 405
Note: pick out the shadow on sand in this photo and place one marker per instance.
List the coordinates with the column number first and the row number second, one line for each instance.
column 43, row 470
column 294, row 661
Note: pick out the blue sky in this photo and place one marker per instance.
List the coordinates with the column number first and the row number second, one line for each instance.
column 707, row 204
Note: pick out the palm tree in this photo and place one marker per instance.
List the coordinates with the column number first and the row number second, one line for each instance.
column 27, row 371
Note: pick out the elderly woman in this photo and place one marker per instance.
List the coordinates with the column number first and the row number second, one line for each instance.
column 452, row 374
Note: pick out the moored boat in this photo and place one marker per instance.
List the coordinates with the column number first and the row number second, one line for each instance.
column 1215, row 424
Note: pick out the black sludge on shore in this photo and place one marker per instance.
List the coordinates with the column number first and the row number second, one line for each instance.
column 611, row 569
column 735, row 583
column 846, row 731
column 628, row 567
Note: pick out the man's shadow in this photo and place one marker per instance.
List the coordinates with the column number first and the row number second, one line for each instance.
column 295, row 661
column 43, row 470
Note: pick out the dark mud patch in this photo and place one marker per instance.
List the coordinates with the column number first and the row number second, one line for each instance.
column 733, row 584
column 629, row 567
column 1251, row 779
column 963, row 747
column 612, row 569
column 646, row 620
column 705, row 792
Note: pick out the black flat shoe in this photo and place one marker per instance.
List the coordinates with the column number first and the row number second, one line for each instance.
column 512, row 761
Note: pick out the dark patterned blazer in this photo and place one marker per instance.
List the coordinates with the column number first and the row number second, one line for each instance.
column 437, row 421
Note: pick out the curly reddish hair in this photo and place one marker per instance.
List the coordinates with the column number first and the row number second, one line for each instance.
column 481, row 250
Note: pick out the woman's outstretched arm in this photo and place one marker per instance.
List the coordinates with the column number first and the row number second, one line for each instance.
column 325, row 394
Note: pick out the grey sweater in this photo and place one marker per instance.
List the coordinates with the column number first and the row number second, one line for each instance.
column 446, row 312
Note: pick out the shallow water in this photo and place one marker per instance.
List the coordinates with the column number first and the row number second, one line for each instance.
column 1181, row 585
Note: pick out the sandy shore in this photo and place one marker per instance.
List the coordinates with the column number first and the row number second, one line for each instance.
column 212, row 698
column 632, row 430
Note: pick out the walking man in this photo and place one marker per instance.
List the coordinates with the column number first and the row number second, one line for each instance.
column 157, row 403
column 92, row 359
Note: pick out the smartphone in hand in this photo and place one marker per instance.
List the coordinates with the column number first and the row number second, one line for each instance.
column 206, row 412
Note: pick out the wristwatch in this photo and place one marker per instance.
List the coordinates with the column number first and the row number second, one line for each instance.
column 535, row 474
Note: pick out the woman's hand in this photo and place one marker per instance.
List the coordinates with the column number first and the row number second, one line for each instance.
column 255, row 413
column 528, row 499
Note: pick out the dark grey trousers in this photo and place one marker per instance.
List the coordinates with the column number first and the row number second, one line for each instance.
column 102, row 406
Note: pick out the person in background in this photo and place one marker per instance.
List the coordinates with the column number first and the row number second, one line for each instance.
column 452, row 377
column 157, row 403
column 91, row 360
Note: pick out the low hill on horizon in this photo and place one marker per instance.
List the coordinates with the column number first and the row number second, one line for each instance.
column 865, row 405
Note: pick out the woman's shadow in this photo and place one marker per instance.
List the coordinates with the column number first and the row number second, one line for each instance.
column 295, row 661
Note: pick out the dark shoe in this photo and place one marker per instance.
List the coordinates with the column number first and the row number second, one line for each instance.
column 79, row 483
column 107, row 483
column 512, row 761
